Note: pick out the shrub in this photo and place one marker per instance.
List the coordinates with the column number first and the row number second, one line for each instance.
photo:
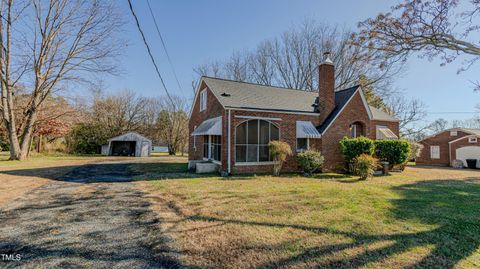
column 351, row 148
column 86, row 138
column 365, row 165
column 394, row 152
column 310, row 160
column 279, row 151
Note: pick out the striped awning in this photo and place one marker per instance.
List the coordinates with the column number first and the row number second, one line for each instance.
column 305, row 129
column 385, row 133
column 209, row 127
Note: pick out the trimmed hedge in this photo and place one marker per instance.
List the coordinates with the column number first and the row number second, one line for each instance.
column 353, row 147
column 393, row 151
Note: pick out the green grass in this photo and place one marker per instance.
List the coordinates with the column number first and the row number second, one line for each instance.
column 413, row 219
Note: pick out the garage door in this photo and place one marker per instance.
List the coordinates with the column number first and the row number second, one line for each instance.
column 470, row 152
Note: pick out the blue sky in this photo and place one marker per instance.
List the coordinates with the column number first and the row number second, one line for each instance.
column 197, row 32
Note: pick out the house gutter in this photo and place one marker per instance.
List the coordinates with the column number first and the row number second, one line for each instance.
column 229, row 161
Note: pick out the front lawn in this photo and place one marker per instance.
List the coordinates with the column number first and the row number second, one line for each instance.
column 425, row 218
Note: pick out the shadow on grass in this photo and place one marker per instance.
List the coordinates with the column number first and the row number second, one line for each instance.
column 451, row 206
column 111, row 172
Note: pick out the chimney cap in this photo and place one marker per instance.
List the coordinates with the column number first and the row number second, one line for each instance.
column 327, row 59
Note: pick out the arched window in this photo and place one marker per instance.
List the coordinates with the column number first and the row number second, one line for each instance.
column 251, row 141
column 357, row 129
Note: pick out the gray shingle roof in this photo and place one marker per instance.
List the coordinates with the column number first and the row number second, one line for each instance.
column 248, row 95
column 341, row 99
column 236, row 94
column 378, row 114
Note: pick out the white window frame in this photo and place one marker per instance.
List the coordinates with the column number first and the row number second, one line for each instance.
column 431, row 152
column 308, row 144
column 454, row 133
column 203, row 100
column 353, row 131
column 194, row 139
column 258, row 145
column 209, row 154
column 472, row 139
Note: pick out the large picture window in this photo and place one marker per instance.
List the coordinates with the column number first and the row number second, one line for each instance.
column 251, row 141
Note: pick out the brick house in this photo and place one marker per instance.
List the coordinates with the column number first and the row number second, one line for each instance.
column 453, row 144
column 231, row 122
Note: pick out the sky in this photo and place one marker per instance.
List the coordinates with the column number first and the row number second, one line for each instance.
column 197, row 32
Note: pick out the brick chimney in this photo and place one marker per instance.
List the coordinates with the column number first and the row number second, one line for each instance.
column 326, row 87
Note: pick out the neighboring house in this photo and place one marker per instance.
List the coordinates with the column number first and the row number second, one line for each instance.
column 231, row 122
column 129, row 144
column 452, row 144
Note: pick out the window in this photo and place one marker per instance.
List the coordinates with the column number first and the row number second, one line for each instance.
column 356, row 129
column 453, row 133
column 203, row 100
column 251, row 141
column 472, row 139
column 212, row 147
column 435, row 152
column 302, row 144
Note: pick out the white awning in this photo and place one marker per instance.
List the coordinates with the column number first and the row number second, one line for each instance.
column 209, row 127
column 385, row 133
column 305, row 129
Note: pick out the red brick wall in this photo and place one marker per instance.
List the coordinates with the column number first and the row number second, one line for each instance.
column 287, row 128
column 214, row 109
column 354, row 112
column 440, row 139
column 326, row 90
column 460, row 144
column 392, row 125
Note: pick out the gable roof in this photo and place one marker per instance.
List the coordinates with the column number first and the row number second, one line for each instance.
column 236, row 94
column 471, row 131
column 378, row 114
column 341, row 99
column 130, row 136
column 244, row 95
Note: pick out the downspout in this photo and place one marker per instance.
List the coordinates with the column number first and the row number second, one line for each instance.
column 229, row 146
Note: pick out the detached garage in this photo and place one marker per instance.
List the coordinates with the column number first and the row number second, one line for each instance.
column 464, row 148
column 129, row 144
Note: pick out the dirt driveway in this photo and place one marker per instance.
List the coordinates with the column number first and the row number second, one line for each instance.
column 91, row 217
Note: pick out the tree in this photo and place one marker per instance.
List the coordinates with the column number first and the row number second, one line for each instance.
column 426, row 27
column 172, row 124
column 47, row 45
column 292, row 59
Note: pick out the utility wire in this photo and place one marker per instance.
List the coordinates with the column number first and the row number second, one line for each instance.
column 164, row 46
column 150, row 52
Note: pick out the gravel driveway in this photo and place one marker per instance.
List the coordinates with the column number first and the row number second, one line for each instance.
column 92, row 217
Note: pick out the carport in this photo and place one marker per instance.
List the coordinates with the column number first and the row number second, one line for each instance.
column 129, row 144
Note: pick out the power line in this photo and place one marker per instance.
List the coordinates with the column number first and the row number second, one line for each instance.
column 164, row 46
column 149, row 51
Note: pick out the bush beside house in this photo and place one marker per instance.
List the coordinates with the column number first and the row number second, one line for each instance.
column 279, row 151
column 310, row 161
column 365, row 166
column 395, row 152
column 351, row 148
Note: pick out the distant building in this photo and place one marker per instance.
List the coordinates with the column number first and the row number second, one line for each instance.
column 452, row 144
column 129, row 144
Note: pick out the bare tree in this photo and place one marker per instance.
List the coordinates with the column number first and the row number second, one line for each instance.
column 292, row 59
column 122, row 112
column 172, row 124
column 430, row 27
column 409, row 112
column 47, row 44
